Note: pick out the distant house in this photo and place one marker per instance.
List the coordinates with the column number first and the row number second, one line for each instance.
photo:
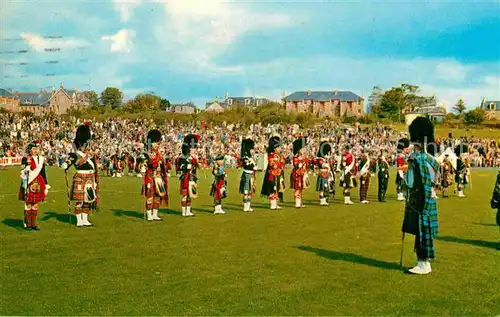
column 216, row 106
column 332, row 104
column 436, row 114
column 183, row 108
column 8, row 101
column 492, row 108
column 57, row 101
column 246, row 101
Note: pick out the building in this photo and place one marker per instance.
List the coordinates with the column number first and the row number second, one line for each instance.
column 331, row 104
column 216, row 106
column 187, row 108
column 492, row 108
column 8, row 101
column 229, row 102
column 437, row 114
column 57, row 101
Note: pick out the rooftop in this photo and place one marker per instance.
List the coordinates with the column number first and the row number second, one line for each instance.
column 323, row 96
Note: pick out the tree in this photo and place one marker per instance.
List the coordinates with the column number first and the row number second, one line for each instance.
column 374, row 100
column 92, row 98
column 405, row 97
column 459, row 108
column 112, row 97
column 475, row 116
column 164, row 104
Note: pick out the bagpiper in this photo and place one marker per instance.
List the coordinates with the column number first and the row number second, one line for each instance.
column 219, row 186
column 347, row 176
column 446, row 175
column 364, row 177
column 186, row 169
column 325, row 183
column 34, row 185
column 155, row 185
column 421, row 209
column 247, row 182
column 85, row 185
column 299, row 176
column 383, row 177
column 272, row 183
column 402, row 167
column 495, row 203
column 461, row 173
column 118, row 164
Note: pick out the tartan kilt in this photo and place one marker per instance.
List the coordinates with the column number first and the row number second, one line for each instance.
column 78, row 186
column 268, row 185
column 365, row 183
column 349, row 181
column 34, row 195
column 296, row 181
column 246, row 184
column 321, row 184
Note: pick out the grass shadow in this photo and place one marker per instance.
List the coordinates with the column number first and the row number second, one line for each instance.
column 171, row 212
column 17, row 224
column 485, row 224
column 128, row 213
column 201, row 210
column 350, row 257
column 477, row 243
column 64, row 218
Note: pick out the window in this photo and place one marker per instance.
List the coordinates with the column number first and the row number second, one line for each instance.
column 230, row 101
column 247, row 101
column 492, row 106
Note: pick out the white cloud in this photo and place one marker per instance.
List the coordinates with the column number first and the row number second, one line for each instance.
column 40, row 43
column 451, row 71
column 122, row 42
column 196, row 31
column 125, row 8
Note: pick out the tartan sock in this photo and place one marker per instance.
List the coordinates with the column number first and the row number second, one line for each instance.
column 27, row 217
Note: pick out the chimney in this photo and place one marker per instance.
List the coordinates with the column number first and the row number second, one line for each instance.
column 283, row 94
column 62, row 86
column 226, row 96
column 309, row 92
column 335, row 92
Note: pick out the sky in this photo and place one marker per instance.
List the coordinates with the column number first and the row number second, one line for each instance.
column 197, row 50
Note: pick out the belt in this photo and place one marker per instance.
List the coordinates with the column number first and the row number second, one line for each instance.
column 85, row 172
column 248, row 172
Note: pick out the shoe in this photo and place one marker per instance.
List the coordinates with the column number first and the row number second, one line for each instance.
column 35, row 228
column 365, row 202
column 422, row 268
column 188, row 212
column 155, row 215
column 150, row 215
column 27, row 228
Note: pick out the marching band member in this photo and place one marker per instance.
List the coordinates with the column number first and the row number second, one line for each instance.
column 495, row 203
column 186, row 168
column 272, row 178
column 155, row 186
column 326, row 174
column 446, row 175
column 421, row 209
column 34, row 185
column 298, row 177
column 219, row 186
column 347, row 176
column 383, row 177
column 85, row 186
column 247, row 182
column 402, row 167
column 461, row 174
column 364, row 177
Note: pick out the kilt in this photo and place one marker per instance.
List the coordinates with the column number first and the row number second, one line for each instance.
column 216, row 190
column 349, row 181
column 78, row 186
column 322, row 184
column 36, row 191
column 296, row 180
column 363, row 188
column 270, row 187
column 246, row 184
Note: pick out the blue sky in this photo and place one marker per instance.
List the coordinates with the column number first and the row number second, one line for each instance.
column 195, row 50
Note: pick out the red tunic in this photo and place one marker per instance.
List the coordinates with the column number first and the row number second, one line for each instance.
column 36, row 188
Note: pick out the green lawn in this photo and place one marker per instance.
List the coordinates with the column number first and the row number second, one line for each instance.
column 339, row 260
column 442, row 131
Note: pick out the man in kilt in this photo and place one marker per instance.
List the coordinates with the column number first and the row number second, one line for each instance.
column 118, row 164
column 186, row 168
column 155, row 186
column 347, row 176
column 446, row 175
column 402, row 167
column 383, row 177
column 34, row 185
column 495, row 203
column 247, row 182
column 272, row 183
column 461, row 173
column 298, row 177
column 219, row 186
column 421, row 209
column 85, row 186
column 364, row 177
column 326, row 174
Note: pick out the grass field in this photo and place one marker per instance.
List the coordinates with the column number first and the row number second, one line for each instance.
column 442, row 131
column 338, row 260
